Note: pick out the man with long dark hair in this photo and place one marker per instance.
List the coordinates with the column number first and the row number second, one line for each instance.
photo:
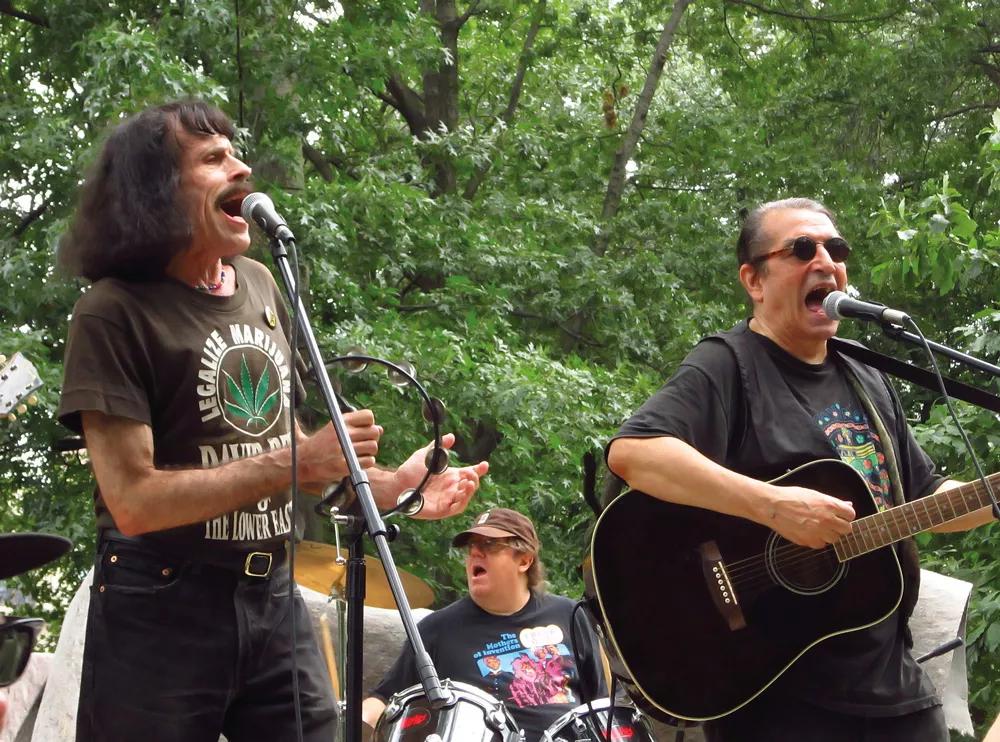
column 179, row 375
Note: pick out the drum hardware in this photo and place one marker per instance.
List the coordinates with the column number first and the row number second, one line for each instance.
column 322, row 567
column 469, row 715
column 589, row 723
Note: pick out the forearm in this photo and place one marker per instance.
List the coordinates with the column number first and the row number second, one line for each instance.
column 385, row 487
column 670, row 469
column 371, row 710
column 158, row 499
column 144, row 498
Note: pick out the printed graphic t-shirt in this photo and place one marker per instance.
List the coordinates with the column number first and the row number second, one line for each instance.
column 815, row 414
column 210, row 375
column 526, row 659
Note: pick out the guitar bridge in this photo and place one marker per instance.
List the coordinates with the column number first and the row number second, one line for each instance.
column 720, row 587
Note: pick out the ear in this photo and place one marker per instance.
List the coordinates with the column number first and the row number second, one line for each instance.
column 524, row 562
column 752, row 280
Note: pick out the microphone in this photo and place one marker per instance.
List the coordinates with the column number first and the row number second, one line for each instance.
column 259, row 208
column 838, row 305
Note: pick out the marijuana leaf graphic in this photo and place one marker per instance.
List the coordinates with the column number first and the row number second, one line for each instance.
column 250, row 402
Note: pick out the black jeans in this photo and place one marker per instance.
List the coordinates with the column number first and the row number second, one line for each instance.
column 768, row 720
column 181, row 652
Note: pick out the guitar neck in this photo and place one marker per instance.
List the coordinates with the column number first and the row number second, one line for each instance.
column 892, row 525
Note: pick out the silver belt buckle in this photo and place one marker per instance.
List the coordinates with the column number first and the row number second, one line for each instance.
column 248, row 569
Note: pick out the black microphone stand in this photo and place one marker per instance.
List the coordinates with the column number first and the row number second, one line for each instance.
column 898, row 333
column 373, row 524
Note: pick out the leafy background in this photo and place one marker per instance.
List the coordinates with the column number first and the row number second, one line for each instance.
column 511, row 196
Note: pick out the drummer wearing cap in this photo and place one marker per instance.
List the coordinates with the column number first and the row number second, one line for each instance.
column 20, row 552
column 508, row 636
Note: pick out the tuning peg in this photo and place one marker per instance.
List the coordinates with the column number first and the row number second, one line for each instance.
column 11, row 417
column 21, row 409
column 3, row 359
column 32, row 399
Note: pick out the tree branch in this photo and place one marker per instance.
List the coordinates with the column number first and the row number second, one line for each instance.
column 803, row 17
column 507, row 116
column 568, row 330
column 408, row 103
column 7, row 8
column 318, row 161
column 616, row 182
column 470, row 11
column 28, row 219
column 965, row 109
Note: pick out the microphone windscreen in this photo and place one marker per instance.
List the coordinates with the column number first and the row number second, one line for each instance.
column 831, row 303
column 250, row 203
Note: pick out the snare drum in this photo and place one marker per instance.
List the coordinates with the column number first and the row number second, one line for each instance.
column 581, row 725
column 470, row 716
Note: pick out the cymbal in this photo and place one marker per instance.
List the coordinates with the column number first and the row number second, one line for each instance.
column 316, row 568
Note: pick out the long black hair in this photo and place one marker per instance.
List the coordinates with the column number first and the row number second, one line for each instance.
column 129, row 223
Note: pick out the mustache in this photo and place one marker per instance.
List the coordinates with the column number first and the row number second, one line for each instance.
column 242, row 189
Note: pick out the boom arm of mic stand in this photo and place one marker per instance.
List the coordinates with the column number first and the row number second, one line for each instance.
column 436, row 695
column 898, row 333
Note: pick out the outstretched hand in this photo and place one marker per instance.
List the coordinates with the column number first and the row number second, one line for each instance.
column 445, row 494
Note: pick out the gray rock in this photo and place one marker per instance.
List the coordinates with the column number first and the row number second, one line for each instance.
column 23, row 698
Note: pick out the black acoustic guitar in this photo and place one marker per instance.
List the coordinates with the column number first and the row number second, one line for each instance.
column 720, row 606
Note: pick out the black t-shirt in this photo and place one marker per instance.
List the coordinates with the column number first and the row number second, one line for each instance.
column 801, row 412
column 525, row 659
column 210, row 375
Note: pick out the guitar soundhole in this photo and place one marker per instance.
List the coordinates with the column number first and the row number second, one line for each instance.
column 800, row 569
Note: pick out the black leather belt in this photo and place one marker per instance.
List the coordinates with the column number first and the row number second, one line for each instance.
column 255, row 564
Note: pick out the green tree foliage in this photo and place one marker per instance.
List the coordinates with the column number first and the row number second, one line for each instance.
column 447, row 166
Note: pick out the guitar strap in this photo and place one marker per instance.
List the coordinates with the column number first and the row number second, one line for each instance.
column 916, row 375
column 910, row 558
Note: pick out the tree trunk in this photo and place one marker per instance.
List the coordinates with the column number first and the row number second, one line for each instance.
column 479, row 175
column 616, row 183
column 441, row 89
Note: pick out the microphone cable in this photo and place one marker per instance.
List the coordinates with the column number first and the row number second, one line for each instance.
column 954, row 416
column 293, row 515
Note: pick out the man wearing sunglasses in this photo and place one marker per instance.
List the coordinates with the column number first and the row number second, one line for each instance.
column 761, row 399
column 20, row 552
column 508, row 637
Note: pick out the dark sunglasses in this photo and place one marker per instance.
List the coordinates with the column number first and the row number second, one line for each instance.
column 17, row 639
column 487, row 545
column 804, row 248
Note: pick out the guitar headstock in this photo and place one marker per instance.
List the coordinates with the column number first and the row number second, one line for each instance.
column 18, row 379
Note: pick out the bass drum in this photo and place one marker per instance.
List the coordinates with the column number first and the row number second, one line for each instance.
column 589, row 723
column 471, row 715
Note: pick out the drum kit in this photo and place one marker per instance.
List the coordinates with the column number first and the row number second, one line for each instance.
column 475, row 716
column 323, row 568
column 471, row 715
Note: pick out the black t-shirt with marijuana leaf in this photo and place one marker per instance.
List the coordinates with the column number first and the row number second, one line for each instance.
column 210, row 375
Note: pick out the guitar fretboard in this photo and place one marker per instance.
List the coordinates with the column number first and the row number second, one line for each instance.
column 892, row 525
